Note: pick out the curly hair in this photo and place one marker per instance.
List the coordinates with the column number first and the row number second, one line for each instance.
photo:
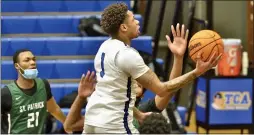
column 155, row 124
column 112, row 17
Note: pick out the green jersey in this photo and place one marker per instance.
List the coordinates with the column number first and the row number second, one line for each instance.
column 135, row 123
column 28, row 113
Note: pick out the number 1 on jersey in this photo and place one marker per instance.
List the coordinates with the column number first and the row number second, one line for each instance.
column 102, row 73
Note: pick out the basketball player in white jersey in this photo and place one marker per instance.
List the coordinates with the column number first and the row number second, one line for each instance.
column 119, row 67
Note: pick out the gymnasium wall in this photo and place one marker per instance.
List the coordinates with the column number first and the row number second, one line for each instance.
column 230, row 18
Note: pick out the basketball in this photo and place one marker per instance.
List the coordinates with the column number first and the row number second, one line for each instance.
column 205, row 42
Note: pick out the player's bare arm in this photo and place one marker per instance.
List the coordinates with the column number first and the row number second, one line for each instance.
column 150, row 80
column 74, row 120
column 140, row 116
column 55, row 110
column 178, row 48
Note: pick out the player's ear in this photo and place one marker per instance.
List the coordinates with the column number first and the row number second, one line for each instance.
column 123, row 27
column 17, row 66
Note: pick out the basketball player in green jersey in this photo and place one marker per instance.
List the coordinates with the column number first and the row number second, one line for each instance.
column 25, row 101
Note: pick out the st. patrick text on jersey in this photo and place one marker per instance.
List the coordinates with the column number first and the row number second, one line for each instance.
column 32, row 106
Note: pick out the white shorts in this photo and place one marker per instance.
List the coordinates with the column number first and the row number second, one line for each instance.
column 88, row 129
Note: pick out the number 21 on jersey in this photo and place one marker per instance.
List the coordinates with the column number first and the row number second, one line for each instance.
column 102, row 72
column 32, row 120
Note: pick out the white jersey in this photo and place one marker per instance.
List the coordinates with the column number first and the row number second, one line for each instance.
column 111, row 105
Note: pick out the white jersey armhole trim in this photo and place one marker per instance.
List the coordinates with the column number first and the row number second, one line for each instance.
column 9, row 123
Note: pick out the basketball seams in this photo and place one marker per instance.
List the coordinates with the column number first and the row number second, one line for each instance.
column 216, row 41
column 216, row 45
column 200, row 38
column 204, row 46
column 203, row 38
column 212, row 47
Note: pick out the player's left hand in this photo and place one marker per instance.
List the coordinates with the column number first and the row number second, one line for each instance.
column 86, row 84
column 202, row 66
column 179, row 45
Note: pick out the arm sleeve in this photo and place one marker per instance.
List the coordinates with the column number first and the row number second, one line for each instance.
column 149, row 106
column 6, row 100
column 129, row 61
column 48, row 89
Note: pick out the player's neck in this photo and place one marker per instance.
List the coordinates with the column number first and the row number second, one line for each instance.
column 25, row 83
column 124, row 39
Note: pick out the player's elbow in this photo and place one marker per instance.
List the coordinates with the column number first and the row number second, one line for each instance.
column 162, row 102
column 73, row 124
column 67, row 127
column 161, row 94
column 162, row 91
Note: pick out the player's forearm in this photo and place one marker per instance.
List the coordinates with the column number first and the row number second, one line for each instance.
column 136, row 113
column 55, row 110
column 150, row 81
column 177, row 67
column 177, row 83
column 73, row 118
column 162, row 102
column 58, row 114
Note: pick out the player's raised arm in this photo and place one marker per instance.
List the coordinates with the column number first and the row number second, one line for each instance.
column 74, row 120
column 150, row 80
column 178, row 48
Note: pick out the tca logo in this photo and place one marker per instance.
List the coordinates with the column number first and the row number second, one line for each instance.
column 233, row 100
column 238, row 98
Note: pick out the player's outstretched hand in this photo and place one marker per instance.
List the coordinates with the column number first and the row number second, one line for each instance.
column 179, row 44
column 86, row 84
column 202, row 67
